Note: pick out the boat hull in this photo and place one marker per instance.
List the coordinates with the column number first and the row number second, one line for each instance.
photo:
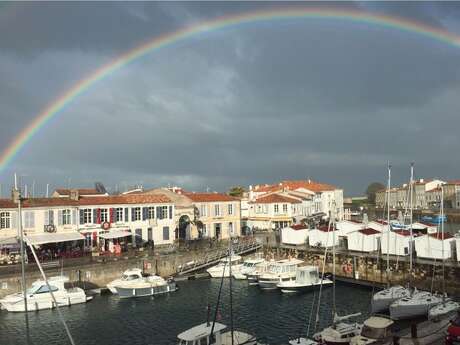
column 126, row 292
column 401, row 312
column 298, row 288
column 36, row 304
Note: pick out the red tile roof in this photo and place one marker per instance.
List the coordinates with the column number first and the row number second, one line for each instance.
column 209, row 197
column 88, row 201
column 293, row 185
column 81, row 191
column 404, row 233
column 457, row 182
column 369, row 231
column 438, row 235
column 299, row 227
column 380, row 221
column 275, row 198
column 325, row 228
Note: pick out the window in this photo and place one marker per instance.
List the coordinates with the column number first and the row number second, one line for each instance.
column 104, row 215
column 285, row 208
column 136, row 213
column 119, row 214
column 165, row 233
column 277, row 209
column 5, row 220
column 164, row 212
column 44, row 289
column 230, row 209
column 204, row 230
column 217, row 210
column 151, row 213
column 66, row 217
column 29, row 219
column 49, row 217
column 203, row 210
column 87, row 216
column 230, row 228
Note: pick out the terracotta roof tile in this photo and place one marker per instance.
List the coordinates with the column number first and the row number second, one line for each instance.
column 210, row 197
column 275, row 198
column 438, row 236
column 293, row 185
column 81, row 191
column 299, row 227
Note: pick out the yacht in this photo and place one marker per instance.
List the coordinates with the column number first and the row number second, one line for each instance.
column 249, row 266
column 253, row 278
column 306, row 279
column 382, row 300
column 200, row 335
column 416, row 305
column 277, row 272
column 39, row 296
column 339, row 332
column 222, row 270
column 376, row 330
column 444, row 310
column 148, row 286
column 129, row 276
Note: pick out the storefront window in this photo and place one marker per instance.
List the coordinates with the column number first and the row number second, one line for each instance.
column 136, row 213
column 119, row 214
column 5, row 220
column 151, row 213
column 104, row 215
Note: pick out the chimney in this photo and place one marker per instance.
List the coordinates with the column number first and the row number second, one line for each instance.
column 309, row 181
column 74, row 195
column 422, row 180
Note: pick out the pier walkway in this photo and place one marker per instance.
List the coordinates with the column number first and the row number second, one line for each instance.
column 213, row 258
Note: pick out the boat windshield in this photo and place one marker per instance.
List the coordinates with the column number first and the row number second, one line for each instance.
column 374, row 333
column 129, row 277
column 202, row 341
column 248, row 264
column 41, row 289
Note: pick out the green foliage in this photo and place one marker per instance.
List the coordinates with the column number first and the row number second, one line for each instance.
column 236, row 191
column 372, row 189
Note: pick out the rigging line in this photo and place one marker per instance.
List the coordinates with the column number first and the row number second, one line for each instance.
column 211, row 335
column 52, row 294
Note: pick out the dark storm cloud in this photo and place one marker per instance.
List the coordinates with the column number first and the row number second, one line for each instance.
column 322, row 99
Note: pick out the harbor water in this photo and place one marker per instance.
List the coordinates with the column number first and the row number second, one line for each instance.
column 107, row 320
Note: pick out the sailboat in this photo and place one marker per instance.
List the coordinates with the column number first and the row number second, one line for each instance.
column 213, row 333
column 447, row 308
column 419, row 302
column 382, row 300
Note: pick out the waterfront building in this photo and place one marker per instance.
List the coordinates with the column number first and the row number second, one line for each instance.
column 296, row 234
column 364, row 240
column 430, row 246
column 273, row 211
column 399, row 242
column 452, row 194
column 218, row 215
column 324, row 196
column 323, row 237
column 144, row 218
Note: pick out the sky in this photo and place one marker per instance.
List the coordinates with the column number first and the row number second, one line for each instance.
column 323, row 99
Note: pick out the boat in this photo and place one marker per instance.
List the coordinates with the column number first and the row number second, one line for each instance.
column 249, row 266
column 444, row 310
column 418, row 304
column 339, row 332
column 277, row 272
column 303, row 341
column 148, row 286
column 437, row 219
column 128, row 276
column 200, row 335
column 39, row 296
column 376, row 329
column 253, row 278
column 306, row 279
column 382, row 300
column 222, row 267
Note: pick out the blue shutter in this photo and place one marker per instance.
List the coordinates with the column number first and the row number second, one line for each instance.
column 82, row 217
column 159, row 213
column 132, row 214
column 170, row 212
column 126, row 214
column 166, row 233
column 94, row 216
column 144, row 213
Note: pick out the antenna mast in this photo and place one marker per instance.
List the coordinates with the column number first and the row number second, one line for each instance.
column 388, row 225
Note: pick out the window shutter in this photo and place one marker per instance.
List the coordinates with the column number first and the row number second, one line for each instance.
column 47, row 217
column 98, row 216
column 32, row 219
column 74, row 217
column 14, row 220
column 59, row 217
column 94, row 216
column 132, row 214
column 82, row 217
column 144, row 213
column 159, row 213
column 112, row 215
column 170, row 212
column 126, row 214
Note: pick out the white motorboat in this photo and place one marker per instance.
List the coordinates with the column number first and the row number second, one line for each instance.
column 222, row 269
column 445, row 309
column 306, row 279
column 416, row 305
column 39, row 296
column 382, row 300
column 253, row 278
column 148, row 286
column 277, row 272
column 129, row 276
column 200, row 335
column 249, row 266
column 303, row 341
column 376, row 330
column 339, row 332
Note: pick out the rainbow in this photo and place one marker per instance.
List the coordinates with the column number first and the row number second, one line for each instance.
column 56, row 107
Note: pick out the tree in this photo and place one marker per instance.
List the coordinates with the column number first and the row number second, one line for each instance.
column 372, row 189
column 237, row 191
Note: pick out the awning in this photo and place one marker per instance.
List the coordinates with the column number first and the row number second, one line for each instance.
column 54, row 238
column 115, row 234
column 9, row 242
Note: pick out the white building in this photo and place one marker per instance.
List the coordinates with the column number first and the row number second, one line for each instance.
column 322, row 237
column 397, row 244
column 295, row 234
column 364, row 240
column 431, row 246
column 344, row 227
column 380, row 225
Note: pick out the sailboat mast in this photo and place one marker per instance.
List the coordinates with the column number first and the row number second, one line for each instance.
column 442, row 243
column 388, row 225
column 230, row 252
column 411, row 191
column 17, row 193
column 332, row 223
